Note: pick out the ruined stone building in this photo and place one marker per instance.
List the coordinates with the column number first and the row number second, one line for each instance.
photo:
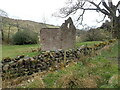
column 58, row 38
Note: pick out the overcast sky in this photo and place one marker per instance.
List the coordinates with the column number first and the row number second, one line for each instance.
column 42, row 10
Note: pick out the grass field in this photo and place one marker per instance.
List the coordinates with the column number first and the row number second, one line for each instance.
column 0, row 52
column 87, row 43
column 14, row 50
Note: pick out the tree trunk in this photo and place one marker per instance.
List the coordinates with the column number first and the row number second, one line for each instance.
column 116, row 27
column 18, row 27
column 2, row 34
column 8, row 34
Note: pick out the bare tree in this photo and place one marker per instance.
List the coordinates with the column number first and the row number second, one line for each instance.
column 10, row 24
column 5, row 22
column 17, row 25
column 44, row 21
column 95, row 35
column 107, row 8
column 3, row 14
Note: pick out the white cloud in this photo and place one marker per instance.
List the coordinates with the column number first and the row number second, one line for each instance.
column 36, row 10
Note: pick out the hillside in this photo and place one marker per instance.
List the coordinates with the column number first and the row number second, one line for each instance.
column 23, row 24
column 13, row 25
column 31, row 25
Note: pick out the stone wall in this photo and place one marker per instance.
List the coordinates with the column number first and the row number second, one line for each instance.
column 58, row 38
column 50, row 39
column 52, row 60
column 68, row 34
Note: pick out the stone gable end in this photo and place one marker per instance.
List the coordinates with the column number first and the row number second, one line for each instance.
column 58, row 38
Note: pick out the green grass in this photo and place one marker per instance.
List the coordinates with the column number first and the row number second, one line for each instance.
column 100, row 66
column 0, row 52
column 113, row 53
column 51, row 26
column 87, row 43
column 14, row 50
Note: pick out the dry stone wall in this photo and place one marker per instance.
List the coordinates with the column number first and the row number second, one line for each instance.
column 48, row 60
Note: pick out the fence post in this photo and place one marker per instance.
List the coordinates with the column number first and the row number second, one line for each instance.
column 65, row 58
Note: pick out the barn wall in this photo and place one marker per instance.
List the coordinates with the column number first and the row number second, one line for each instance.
column 50, row 39
column 58, row 38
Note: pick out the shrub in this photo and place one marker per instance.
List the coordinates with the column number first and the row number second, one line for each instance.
column 95, row 35
column 25, row 37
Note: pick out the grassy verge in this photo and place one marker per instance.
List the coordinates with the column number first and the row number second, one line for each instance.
column 87, row 43
column 0, row 52
column 14, row 50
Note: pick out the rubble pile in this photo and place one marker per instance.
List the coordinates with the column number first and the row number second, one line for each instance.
column 21, row 65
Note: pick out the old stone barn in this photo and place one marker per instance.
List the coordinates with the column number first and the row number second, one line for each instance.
column 58, row 38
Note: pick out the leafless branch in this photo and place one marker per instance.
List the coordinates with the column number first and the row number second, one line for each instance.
column 101, row 20
column 108, row 8
column 69, row 10
column 101, row 10
column 81, row 17
column 118, row 4
column 3, row 13
column 110, row 4
column 99, row 3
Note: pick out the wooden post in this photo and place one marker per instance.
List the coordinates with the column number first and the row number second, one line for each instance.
column 65, row 58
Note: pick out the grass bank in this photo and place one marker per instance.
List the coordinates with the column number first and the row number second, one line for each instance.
column 14, row 50
column 95, row 72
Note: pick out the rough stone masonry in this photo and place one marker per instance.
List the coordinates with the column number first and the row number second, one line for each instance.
column 58, row 38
